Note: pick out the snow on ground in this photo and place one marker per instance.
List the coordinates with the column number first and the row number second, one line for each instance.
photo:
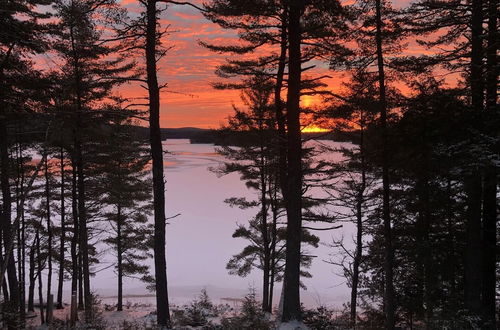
column 139, row 314
column 294, row 325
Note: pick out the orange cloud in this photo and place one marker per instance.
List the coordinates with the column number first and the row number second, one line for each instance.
column 188, row 69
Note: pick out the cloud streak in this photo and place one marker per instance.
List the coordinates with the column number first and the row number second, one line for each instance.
column 188, row 69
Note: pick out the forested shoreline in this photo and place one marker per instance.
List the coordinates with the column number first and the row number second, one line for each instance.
column 410, row 87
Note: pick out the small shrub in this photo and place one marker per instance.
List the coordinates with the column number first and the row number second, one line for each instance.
column 196, row 314
column 320, row 318
column 97, row 321
column 131, row 325
column 204, row 301
column 251, row 316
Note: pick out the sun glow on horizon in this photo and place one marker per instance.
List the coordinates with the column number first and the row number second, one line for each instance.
column 308, row 100
column 314, row 129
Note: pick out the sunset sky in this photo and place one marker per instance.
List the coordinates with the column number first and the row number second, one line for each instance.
column 188, row 68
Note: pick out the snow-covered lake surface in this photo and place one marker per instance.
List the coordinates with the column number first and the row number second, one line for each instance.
column 199, row 241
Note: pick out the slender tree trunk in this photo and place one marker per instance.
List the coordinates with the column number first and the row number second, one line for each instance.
column 359, row 234
column 271, row 286
column 281, row 123
column 490, row 180
column 5, row 291
column 83, row 235
column 21, row 237
column 49, row 231
column 5, row 221
column 18, row 226
column 293, row 197
column 423, row 229
column 473, row 181
column 451, row 237
column 39, row 275
column 62, row 242
column 389, row 303
column 274, row 234
column 264, row 228
column 492, row 69
column 278, row 104
column 162, row 305
column 32, row 277
column 4, row 288
column 23, row 249
column 472, row 262
column 81, row 298
column 119, row 252
column 74, row 242
column 489, row 271
column 266, row 282
column 82, row 218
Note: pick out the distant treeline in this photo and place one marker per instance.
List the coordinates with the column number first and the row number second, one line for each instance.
column 196, row 135
column 36, row 133
column 226, row 137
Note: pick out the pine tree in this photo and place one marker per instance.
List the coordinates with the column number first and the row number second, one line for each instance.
column 144, row 35
column 126, row 189
column 272, row 24
column 466, row 35
column 353, row 178
column 255, row 159
column 90, row 71
column 21, row 36
column 151, row 52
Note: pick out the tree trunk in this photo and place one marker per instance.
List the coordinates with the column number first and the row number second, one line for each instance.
column 81, row 299
column 162, row 305
column 265, row 287
column 424, row 253
column 389, row 303
column 39, row 275
column 359, row 234
column 23, row 250
column 274, row 234
column 489, row 249
column 278, row 104
column 21, row 237
column 119, row 253
column 472, row 262
column 271, row 287
column 78, row 155
column 49, row 231
column 492, row 69
column 282, row 140
column 4, row 288
column 32, row 277
column 264, row 228
column 83, row 235
column 293, row 197
column 5, row 221
column 424, row 229
column 473, row 181
column 490, row 179
column 62, row 242
column 451, row 238
column 74, row 241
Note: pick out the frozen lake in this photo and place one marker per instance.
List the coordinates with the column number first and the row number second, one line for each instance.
column 199, row 241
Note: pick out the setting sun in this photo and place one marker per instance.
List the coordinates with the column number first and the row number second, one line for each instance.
column 308, row 100
column 314, row 129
